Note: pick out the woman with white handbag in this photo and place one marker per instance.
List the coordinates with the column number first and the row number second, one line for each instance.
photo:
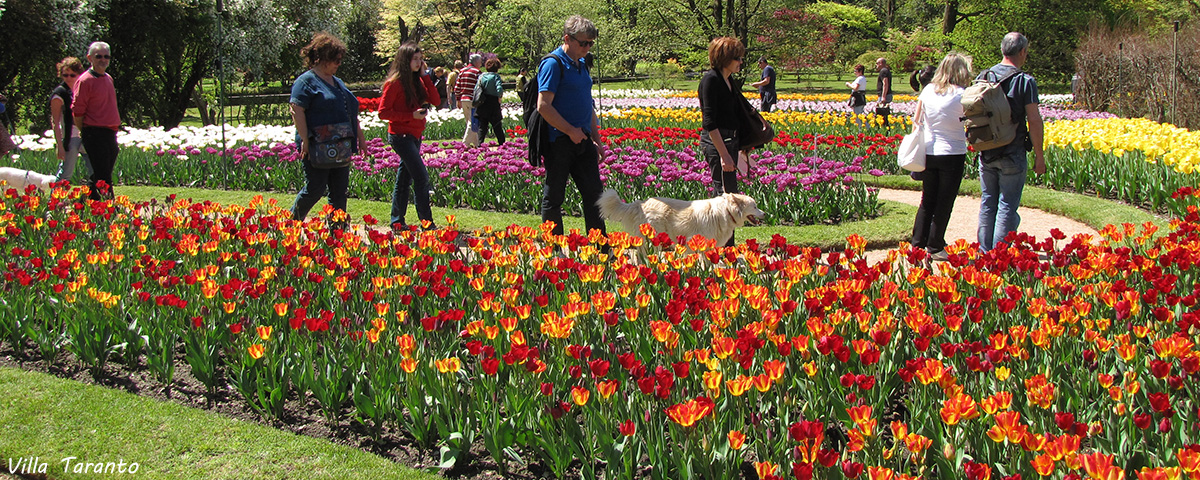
column 938, row 118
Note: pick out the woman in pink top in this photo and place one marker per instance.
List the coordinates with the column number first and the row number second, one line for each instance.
column 97, row 118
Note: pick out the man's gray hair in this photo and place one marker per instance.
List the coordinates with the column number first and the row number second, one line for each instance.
column 577, row 25
column 1013, row 43
column 97, row 46
column 475, row 59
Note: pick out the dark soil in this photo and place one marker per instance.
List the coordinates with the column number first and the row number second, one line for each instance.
column 302, row 415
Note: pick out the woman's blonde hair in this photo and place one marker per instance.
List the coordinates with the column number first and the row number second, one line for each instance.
column 954, row 70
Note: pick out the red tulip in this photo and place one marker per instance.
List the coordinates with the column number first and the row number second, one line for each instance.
column 627, row 428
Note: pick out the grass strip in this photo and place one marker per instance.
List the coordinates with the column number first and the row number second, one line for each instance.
column 1094, row 211
column 51, row 418
column 891, row 227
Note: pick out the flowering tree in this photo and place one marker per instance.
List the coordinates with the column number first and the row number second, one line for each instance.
column 799, row 39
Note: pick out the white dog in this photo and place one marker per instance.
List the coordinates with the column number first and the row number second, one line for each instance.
column 18, row 178
column 715, row 218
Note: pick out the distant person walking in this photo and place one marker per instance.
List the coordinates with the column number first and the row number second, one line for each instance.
column 68, row 144
column 96, row 116
column 488, row 114
column 858, row 93
column 940, row 111
column 439, row 83
column 319, row 99
column 452, row 83
column 883, row 84
column 463, row 88
column 766, row 86
column 407, row 95
column 1002, row 171
column 565, row 101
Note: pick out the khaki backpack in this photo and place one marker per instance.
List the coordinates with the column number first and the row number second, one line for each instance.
column 987, row 114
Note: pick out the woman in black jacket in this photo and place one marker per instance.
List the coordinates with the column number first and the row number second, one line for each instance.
column 721, row 112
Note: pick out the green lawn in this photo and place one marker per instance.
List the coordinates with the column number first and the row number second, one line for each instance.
column 893, row 226
column 51, row 418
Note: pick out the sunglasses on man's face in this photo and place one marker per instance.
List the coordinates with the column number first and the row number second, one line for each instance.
column 584, row 43
column 103, row 56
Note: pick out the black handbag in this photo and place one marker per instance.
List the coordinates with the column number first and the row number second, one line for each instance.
column 756, row 131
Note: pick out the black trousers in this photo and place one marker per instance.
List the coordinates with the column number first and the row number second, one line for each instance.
column 581, row 163
column 722, row 182
column 101, row 146
column 942, row 176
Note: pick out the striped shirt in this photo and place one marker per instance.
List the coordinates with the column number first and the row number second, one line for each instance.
column 465, row 85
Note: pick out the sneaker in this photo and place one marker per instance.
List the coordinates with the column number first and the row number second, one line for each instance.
column 940, row 256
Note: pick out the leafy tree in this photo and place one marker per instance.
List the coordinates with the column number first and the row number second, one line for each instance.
column 254, row 33
column 451, row 27
column 155, row 70
column 360, row 29
column 520, row 32
column 31, row 48
column 799, row 39
column 308, row 17
column 858, row 29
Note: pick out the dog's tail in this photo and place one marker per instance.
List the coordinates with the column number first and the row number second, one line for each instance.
column 612, row 208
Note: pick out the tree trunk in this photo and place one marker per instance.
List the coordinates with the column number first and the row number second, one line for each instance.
column 950, row 17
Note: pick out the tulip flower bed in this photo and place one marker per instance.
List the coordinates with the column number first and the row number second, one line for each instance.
column 1052, row 357
column 801, row 179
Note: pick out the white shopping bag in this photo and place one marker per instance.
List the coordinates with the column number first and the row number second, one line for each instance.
column 911, row 154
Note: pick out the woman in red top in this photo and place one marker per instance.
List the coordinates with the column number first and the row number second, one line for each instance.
column 407, row 96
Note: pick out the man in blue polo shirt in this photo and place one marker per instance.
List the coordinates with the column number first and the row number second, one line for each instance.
column 565, row 101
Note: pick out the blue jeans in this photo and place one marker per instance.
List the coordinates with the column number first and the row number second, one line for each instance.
column 411, row 172
column 580, row 162
column 316, row 182
column 66, row 168
column 1001, row 182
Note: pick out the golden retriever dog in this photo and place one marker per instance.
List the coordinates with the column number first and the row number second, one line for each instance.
column 715, row 218
column 18, row 178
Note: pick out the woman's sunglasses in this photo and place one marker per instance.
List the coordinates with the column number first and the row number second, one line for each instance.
column 70, row 75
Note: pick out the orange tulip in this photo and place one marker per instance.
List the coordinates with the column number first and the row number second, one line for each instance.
column 264, row 332
column 607, row 388
column 712, row 382
column 580, row 395
column 736, row 439
column 861, row 415
column 256, row 351
column 774, row 369
column 688, row 413
column 765, row 469
column 880, row 473
column 739, row 385
column 959, row 407
column 1043, row 465
column 762, row 382
column 1161, row 473
column 1008, row 426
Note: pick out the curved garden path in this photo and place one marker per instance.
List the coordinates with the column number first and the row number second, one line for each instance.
column 964, row 220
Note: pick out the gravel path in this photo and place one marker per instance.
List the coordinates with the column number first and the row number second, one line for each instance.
column 964, row 221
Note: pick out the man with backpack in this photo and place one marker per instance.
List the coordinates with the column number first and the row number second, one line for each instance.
column 1002, row 169
column 564, row 101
